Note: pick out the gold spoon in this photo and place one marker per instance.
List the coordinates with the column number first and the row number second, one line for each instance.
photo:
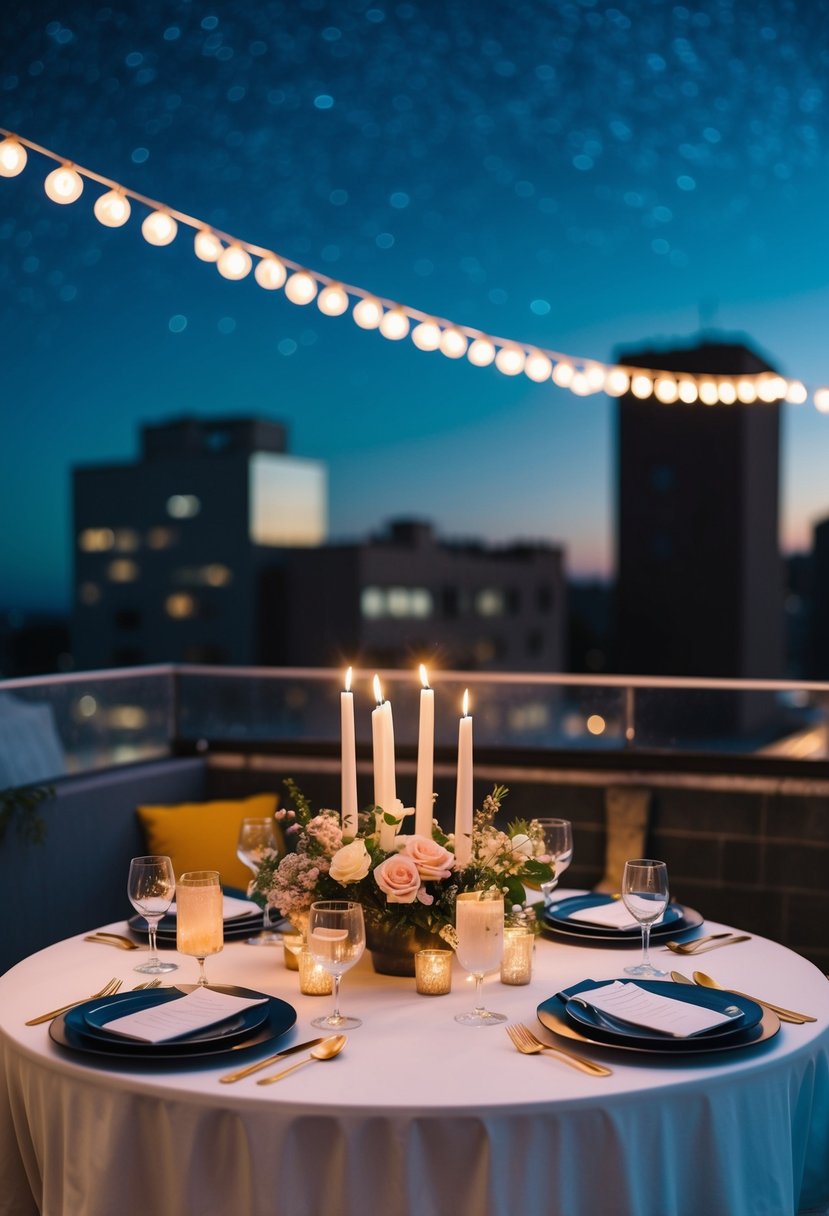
column 326, row 1050
column 785, row 1015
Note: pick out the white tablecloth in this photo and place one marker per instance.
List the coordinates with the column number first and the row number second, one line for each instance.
column 419, row 1116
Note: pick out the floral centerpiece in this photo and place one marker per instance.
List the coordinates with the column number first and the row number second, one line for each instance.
column 407, row 883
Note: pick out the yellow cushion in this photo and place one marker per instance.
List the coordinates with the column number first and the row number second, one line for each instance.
column 203, row 835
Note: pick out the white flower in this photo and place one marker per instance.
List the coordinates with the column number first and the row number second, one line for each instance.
column 350, row 863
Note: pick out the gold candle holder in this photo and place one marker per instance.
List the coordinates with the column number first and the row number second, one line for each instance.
column 291, row 947
column 433, row 972
column 517, row 959
column 314, row 980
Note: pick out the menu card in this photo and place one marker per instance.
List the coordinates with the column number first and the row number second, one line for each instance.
column 185, row 1015
column 611, row 916
column 629, row 1003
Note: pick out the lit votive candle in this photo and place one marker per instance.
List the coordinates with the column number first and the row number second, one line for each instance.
column 433, row 972
column 313, row 979
column 291, row 946
column 517, row 959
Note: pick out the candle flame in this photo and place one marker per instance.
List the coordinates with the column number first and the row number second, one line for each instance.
column 378, row 691
column 466, row 703
column 348, row 680
column 424, row 676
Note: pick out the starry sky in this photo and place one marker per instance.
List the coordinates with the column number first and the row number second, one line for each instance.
column 573, row 174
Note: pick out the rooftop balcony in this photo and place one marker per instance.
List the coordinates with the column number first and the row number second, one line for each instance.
column 727, row 781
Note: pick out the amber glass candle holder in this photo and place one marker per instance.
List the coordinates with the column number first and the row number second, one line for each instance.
column 517, row 959
column 433, row 972
column 314, row 980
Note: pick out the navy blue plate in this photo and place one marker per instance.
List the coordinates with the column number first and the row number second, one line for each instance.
column 72, row 1031
column 557, row 919
column 758, row 1024
column 94, row 1018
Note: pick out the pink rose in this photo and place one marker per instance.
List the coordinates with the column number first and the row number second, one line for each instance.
column 398, row 879
column 431, row 859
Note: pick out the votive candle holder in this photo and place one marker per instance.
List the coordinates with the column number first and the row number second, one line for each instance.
column 291, row 946
column 433, row 972
column 517, row 959
column 314, row 980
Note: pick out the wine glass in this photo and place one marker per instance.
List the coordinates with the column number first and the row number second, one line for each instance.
column 645, row 894
column 479, row 924
column 199, row 921
column 336, row 940
column 151, row 886
column 255, row 836
column 558, row 849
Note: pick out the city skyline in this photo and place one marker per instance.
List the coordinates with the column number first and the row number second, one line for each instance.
column 585, row 180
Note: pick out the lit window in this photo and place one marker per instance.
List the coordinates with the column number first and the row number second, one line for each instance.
column 126, row 540
column 372, row 603
column 126, row 717
column 183, row 506
column 89, row 593
column 217, row 575
column 122, row 570
column 161, row 538
column 398, row 601
column 96, row 540
column 214, row 575
column 490, row 602
column 180, row 606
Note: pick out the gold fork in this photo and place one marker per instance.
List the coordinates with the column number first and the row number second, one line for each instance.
column 147, row 984
column 108, row 990
column 526, row 1042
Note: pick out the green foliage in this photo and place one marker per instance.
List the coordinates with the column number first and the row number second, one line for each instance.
column 22, row 804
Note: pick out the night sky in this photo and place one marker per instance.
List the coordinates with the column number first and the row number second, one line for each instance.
column 580, row 176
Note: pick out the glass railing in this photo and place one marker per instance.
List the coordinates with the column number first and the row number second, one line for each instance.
column 54, row 726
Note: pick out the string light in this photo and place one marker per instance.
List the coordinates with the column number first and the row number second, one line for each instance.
column 159, row 228
column 235, row 259
column 207, row 246
column 234, row 263
column 64, row 185
column 112, row 209
column 271, row 274
column 13, row 157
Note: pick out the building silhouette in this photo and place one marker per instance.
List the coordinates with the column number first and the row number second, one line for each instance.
column 170, row 551
column 700, row 575
column 408, row 595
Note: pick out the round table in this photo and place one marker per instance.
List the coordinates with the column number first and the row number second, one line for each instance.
column 419, row 1116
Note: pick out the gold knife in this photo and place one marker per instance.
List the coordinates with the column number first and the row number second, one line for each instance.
column 286, row 1051
column 111, row 939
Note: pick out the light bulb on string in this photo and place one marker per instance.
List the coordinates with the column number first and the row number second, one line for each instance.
column 665, row 389
column 332, row 300
column 270, row 273
column 394, row 324
column 13, row 157
column 481, row 352
column 641, row 386
column 688, row 392
column 234, row 263
column 301, row 287
column 112, row 209
column 538, row 367
column 207, row 246
column 453, row 343
column 64, row 185
column 617, row 382
column 426, row 335
column 580, row 385
column 796, row 392
column 596, row 376
column 708, row 393
column 159, row 228
column 746, row 390
column 821, row 400
column 727, row 392
column 563, row 373
column 367, row 313
column 768, row 389
column 510, row 360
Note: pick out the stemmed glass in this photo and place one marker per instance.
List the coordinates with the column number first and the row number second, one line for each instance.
column 479, row 924
column 645, row 894
column 336, row 940
column 255, row 836
column 558, row 848
column 199, row 922
column 151, row 886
